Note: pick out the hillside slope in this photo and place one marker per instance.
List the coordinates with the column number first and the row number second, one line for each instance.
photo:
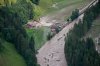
column 55, row 5
column 21, row 51
column 10, row 57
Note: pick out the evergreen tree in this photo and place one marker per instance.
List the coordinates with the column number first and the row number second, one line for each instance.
column 35, row 1
column 12, row 30
column 79, row 52
column 74, row 14
column 31, row 44
column 49, row 36
column 0, row 45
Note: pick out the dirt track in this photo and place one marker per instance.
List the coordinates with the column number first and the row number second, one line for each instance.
column 52, row 53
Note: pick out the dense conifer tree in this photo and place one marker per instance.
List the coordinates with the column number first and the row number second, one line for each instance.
column 80, row 51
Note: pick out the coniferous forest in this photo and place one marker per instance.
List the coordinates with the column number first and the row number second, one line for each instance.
column 12, row 18
column 80, row 50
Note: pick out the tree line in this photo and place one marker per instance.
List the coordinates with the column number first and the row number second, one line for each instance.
column 80, row 51
column 12, row 19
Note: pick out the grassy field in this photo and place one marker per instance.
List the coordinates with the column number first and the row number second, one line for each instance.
column 63, row 6
column 10, row 57
column 47, row 4
column 95, row 29
column 39, row 34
